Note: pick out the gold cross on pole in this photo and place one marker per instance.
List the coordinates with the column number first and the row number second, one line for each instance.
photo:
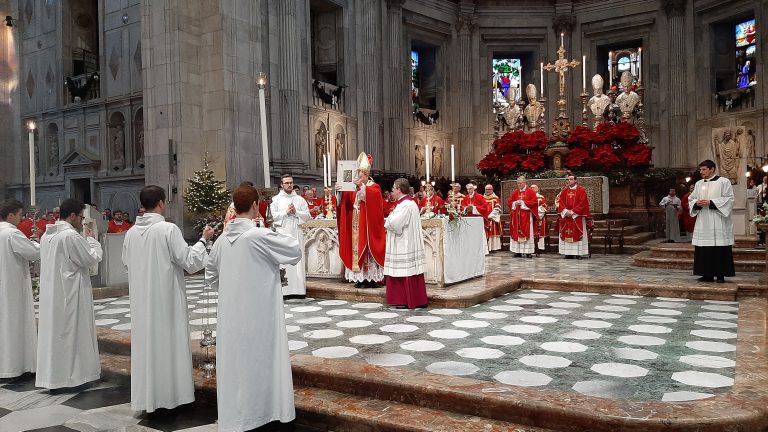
column 561, row 66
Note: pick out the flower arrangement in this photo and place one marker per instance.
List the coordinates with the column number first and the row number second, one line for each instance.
column 611, row 147
column 513, row 151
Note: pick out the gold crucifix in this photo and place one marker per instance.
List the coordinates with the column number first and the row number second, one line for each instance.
column 561, row 66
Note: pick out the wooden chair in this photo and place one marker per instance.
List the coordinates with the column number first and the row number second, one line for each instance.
column 614, row 230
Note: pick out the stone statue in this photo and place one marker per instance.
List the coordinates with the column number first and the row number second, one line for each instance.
column 727, row 152
column 321, row 144
column 599, row 101
column 437, row 161
column 323, row 261
column 746, row 139
column 53, row 154
column 628, row 99
column 138, row 144
column 340, row 143
column 420, row 160
column 534, row 111
column 117, row 144
column 514, row 114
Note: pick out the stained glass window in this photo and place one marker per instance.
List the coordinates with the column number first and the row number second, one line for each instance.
column 746, row 36
column 506, row 81
column 415, row 78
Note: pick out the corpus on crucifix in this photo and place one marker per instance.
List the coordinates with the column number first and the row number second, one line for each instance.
column 562, row 126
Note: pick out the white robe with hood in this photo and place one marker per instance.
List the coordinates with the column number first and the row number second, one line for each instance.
column 67, row 351
column 253, row 368
column 156, row 256
column 714, row 227
column 288, row 224
column 18, row 330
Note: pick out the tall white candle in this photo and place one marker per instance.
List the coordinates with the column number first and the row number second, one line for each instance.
column 264, row 143
column 32, row 197
column 640, row 64
column 584, row 73
column 328, row 156
column 610, row 69
column 541, row 73
column 562, row 39
column 453, row 164
column 325, row 171
column 428, row 158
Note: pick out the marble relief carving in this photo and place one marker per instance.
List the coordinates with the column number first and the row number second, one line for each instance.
column 437, row 160
column 117, row 141
column 734, row 148
column 340, row 143
column 321, row 144
column 419, row 160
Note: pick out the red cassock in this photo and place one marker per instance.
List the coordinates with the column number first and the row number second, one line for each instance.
column 41, row 224
column 542, row 223
column 688, row 221
column 520, row 219
column 436, row 201
column 492, row 228
column 314, row 206
column 356, row 238
column 572, row 229
column 115, row 228
column 25, row 226
column 322, row 203
column 478, row 201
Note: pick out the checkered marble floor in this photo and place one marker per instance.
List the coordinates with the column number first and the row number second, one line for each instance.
column 612, row 346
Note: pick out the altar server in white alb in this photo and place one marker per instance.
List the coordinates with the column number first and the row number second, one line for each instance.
column 672, row 208
column 156, row 256
column 67, row 352
column 253, row 370
column 711, row 203
column 18, row 330
column 289, row 210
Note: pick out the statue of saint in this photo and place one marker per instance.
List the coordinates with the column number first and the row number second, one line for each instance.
column 420, row 160
column 534, row 111
column 728, row 156
column 599, row 101
column 53, row 154
column 746, row 139
column 322, row 261
column 321, row 144
column 628, row 99
column 341, row 139
column 138, row 145
column 118, row 147
column 437, row 161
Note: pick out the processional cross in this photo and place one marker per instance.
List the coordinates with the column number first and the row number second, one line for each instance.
column 562, row 126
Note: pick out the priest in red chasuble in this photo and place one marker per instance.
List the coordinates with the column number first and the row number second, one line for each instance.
column 473, row 204
column 541, row 223
column 573, row 209
column 434, row 201
column 493, row 223
column 362, row 238
column 523, row 214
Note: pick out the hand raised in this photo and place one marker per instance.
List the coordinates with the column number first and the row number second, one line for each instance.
column 208, row 232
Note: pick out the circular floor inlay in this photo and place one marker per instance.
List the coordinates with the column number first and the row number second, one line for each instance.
column 668, row 305
column 564, row 347
column 203, row 321
column 106, row 321
column 301, row 309
column 538, row 319
column 564, row 305
column 448, row 334
column 503, row 340
column 683, row 396
column 370, row 339
column 423, row 319
column 210, row 311
column 506, row 308
column 716, row 324
column 314, row 320
column 522, row 328
column 612, row 308
column 621, row 370
column 354, row 324
column 398, row 328
column 127, row 302
column 296, row 345
column 602, row 315
column 452, row 368
column 592, row 324
column 582, row 335
column 209, row 301
column 122, row 327
column 381, row 315
column 292, row 328
column 480, row 353
column 626, row 296
column 714, row 334
column 702, row 379
column 323, row 334
column 422, row 345
column 575, row 298
column 641, row 340
column 545, row 361
column 522, row 378
column 533, row 296
column 367, row 305
column 552, row 311
column 604, row 389
column 718, row 315
column 619, row 301
column 113, row 311
column 341, row 312
column 722, row 302
column 708, row 361
column 656, row 319
column 710, row 346
column 445, row 311
column 489, row 315
column 520, row 302
column 332, row 302
column 638, row 354
column 390, row 359
column 650, row 328
column 663, row 312
column 470, row 324
column 335, row 352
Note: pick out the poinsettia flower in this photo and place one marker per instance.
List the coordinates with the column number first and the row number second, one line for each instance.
column 532, row 162
column 637, row 155
column 576, row 157
column 605, row 158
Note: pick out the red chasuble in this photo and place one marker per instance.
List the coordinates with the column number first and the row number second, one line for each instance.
column 363, row 229
column 322, row 203
column 572, row 230
column 114, row 228
column 519, row 218
column 25, row 226
column 542, row 223
column 436, row 201
column 492, row 228
column 478, row 201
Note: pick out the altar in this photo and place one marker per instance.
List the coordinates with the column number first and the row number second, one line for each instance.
column 454, row 251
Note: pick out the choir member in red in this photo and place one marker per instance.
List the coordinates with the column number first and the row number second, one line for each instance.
column 42, row 223
column 493, row 223
column 523, row 207
column 389, row 203
column 261, row 217
column 323, row 201
column 541, row 223
column 26, row 226
column 688, row 221
column 473, row 204
column 362, row 238
column 573, row 209
column 455, row 197
column 313, row 203
column 117, row 224
column 435, row 201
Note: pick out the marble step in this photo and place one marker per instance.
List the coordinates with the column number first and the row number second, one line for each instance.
column 686, row 251
column 645, row 259
column 628, row 230
column 634, row 239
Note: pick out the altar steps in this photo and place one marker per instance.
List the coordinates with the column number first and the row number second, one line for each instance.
column 321, row 408
column 680, row 256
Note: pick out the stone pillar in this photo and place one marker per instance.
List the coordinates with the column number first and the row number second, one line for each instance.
column 369, row 120
column 10, row 116
column 289, row 78
column 678, row 134
column 465, row 141
column 395, row 97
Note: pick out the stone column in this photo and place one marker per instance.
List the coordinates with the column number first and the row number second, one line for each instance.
column 289, row 77
column 370, row 121
column 465, row 142
column 394, row 98
column 10, row 115
column 676, row 30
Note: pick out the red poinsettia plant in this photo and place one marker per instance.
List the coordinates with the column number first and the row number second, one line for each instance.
column 611, row 146
column 515, row 151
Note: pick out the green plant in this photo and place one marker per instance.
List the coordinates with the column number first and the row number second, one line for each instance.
column 206, row 197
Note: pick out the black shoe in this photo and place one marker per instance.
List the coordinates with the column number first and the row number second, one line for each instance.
column 705, row 279
column 517, row 255
column 569, row 257
column 358, row 284
column 720, row 279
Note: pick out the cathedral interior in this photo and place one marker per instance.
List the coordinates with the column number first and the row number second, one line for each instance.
column 124, row 92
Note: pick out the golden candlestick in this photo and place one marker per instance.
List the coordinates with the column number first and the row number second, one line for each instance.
column 330, row 211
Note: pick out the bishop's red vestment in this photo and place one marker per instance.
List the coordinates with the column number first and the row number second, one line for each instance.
column 436, row 201
column 362, row 230
column 522, row 220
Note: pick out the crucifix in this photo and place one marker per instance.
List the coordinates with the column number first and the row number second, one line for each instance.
column 562, row 126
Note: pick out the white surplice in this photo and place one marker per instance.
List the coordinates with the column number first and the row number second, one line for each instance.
column 714, row 227
column 18, row 330
column 156, row 256
column 253, row 368
column 288, row 224
column 671, row 206
column 528, row 246
column 67, row 351
column 405, row 241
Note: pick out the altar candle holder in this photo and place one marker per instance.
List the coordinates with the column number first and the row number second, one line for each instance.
column 330, row 212
column 584, row 113
column 641, row 112
column 428, row 214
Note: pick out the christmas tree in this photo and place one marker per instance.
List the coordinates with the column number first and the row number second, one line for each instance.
column 206, row 197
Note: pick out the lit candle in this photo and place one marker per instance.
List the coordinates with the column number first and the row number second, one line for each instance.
column 325, row 171
column 562, row 39
column 31, row 126
column 584, row 73
column 262, row 82
column 610, row 69
column 427, row 158
column 453, row 164
column 541, row 73
column 639, row 64
column 330, row 179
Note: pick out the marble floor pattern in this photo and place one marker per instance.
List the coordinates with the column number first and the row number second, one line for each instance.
column 613, row 346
